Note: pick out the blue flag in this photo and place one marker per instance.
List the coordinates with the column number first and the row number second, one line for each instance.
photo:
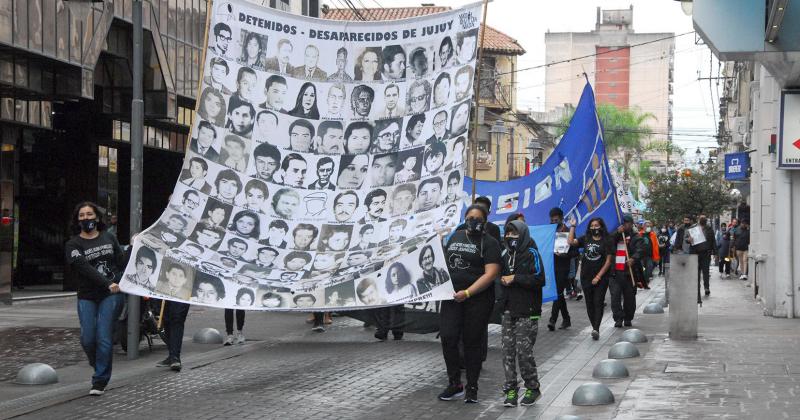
column 575, row 178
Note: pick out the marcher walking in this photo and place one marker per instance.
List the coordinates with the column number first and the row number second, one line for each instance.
column 97, row 260
column 663, row 249
column 474, row 262
column 598, row 253
column 742, row 244
column 521, row 305
column 623, row 289
column 704, row 250
column 724, row 252
column 229, row 315
column 562, row 266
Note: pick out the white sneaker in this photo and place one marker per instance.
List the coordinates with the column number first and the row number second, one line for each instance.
column 239, row 337
column 229, row 340
column 743, row 277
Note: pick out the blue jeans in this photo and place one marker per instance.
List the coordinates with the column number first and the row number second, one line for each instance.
column 97, row 328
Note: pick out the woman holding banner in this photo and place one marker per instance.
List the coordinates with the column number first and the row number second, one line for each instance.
column 474, row 262
column 98, row 261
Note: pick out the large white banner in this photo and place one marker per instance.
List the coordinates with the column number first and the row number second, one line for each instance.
column 326, row 157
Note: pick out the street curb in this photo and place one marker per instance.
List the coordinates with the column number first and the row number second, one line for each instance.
column 41, row 297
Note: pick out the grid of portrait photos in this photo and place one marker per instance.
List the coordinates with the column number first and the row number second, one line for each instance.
column 320, row 173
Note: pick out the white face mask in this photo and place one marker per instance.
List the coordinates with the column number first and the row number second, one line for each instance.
column 647, row 230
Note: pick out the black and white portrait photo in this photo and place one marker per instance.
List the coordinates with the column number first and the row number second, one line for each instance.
column 218, row 79
column 383, row 170
column 409, row 165
column 222, row 39
column 418, row 98
column 341, row 75
column 368, row 65
column 387, row 135
column 254, row 47
column 205, row 144
column 330, row 138
column 235, row 152
column 267, row 160
column 195, row 175
column 376, row 203
column 394, row 62
column 306, row 104
column 241, row 117
column 361, row 101
column 275, row 89
column 212, row 107
column 280, row 62
column 310, row 69
column 325, row 169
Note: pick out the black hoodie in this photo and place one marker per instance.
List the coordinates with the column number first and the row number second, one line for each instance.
column 523, row 297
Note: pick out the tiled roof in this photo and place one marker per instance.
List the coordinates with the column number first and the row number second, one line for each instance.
column 495, row 40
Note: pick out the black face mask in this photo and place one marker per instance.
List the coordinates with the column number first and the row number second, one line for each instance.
column 475, row 225
column 512, row 243
column 88, row 225
column 595, row 232
column 686, row 224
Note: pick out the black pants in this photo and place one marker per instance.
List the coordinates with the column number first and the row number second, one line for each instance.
column 595, row 296
column 465, row 322
column 623, row 297
column 391, row 318
column 560, row 304
column 319, row 317
column 662, row 252
column 704, row 265
column 724, row 266
column 174, row 321
column 229, row 320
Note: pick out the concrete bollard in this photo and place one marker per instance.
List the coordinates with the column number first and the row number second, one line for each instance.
column 592, row 393
column 682, row 294
column 207, row 336
column 653, row 308
column 36, row 374
column 633, row 335
column 623, row 350
column 610, row 369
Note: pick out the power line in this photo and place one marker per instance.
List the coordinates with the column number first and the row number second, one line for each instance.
column 592, row 55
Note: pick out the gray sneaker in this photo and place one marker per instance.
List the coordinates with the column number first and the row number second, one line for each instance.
column 240, row 338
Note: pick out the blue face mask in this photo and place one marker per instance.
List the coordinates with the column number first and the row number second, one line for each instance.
column 88, row 225
column 475, row 225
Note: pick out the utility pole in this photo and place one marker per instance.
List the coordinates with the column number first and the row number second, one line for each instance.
column 137, row 125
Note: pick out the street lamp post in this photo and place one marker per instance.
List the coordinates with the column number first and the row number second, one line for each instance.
column 497, row 131
column 137, row 123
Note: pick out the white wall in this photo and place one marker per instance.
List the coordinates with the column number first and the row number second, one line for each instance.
column 775, row 214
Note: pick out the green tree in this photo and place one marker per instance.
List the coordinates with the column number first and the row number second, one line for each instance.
column 624, row 131
column 673, row 195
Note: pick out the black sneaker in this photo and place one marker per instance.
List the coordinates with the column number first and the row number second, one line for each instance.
column 628, row 323
column 551, row 325
column 381, row 335
column 452, row 392
column 511, row 398
column 176, row 365
column 471, row 395
column 595, row 335
column 318, row 328
column 530, row 396
column 97, row 390
column 565, row 324
column 398, row 336
column 708, row 292
column 164, row 363
column 618, row 324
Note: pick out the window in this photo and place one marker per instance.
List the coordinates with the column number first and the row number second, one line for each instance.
column 107, row 179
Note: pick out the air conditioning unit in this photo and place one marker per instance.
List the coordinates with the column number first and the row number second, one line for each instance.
column 739, row 130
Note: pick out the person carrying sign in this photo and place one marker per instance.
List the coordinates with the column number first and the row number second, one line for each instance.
column 562, row 267
column 520, row 300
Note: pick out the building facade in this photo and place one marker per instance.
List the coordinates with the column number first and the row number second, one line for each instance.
column 625, row 76
column 761, row 69
column 65, row 95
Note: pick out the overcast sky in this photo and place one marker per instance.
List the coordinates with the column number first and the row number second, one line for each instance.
column 527, row 21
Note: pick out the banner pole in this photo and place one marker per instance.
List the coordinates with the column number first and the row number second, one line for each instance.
column 474, row 148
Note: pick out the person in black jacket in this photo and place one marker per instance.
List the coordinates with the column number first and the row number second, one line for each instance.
column 703, row 251
column 627, row 261
column 562, row 267
column 521, row 304
column 98, row 261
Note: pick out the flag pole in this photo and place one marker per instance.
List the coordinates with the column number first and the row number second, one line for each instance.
column 474, row 147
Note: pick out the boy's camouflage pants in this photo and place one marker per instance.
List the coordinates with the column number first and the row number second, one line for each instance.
column 519, row 336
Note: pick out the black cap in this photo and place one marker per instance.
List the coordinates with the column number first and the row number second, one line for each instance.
column 627, row 218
